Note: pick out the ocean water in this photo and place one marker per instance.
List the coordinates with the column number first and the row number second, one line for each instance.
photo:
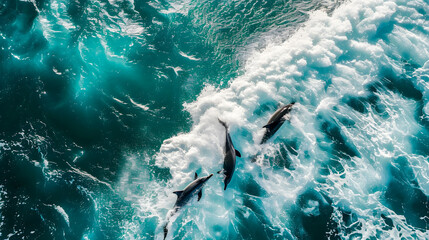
column 108, row 106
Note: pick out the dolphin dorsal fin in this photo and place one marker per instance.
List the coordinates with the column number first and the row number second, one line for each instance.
column 178, row 193
column 237, row 153
column 196, row 176
column 268, row 125
column 286, row 117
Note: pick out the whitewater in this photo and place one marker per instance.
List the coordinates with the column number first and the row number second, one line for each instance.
column 352, row 162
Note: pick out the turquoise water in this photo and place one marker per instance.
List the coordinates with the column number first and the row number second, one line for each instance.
column 107, row 107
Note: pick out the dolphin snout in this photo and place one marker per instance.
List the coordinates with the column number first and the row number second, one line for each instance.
column 209, row 176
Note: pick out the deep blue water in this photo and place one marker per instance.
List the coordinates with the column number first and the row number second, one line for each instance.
column 107, row 107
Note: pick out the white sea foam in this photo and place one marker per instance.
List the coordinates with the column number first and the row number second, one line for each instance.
column 63, row 213
column 330, row 58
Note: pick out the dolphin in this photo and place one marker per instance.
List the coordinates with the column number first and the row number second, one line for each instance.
column 276, row 121
column 230, row 155
column 184, row 196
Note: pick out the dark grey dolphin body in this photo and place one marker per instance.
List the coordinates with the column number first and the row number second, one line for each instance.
column 276, row 121
column 184, row 196
column 230, row 154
